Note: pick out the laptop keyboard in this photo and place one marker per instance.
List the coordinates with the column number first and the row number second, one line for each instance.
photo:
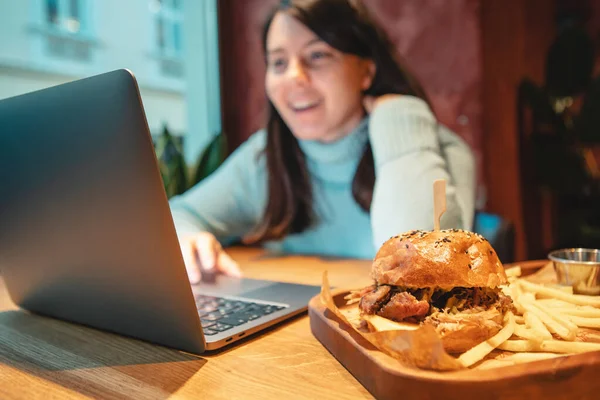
column 219, row 314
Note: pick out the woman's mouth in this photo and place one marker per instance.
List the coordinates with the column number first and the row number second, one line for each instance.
column 301, row 106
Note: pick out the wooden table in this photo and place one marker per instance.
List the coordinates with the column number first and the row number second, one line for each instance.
column 49, row 359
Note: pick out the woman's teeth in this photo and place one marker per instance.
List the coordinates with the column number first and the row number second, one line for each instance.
column 304, row 105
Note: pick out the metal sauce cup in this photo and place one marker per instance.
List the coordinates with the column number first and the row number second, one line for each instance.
column 578, row 268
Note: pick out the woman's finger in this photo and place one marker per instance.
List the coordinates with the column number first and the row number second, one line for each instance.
column 228, row 266
column 206, row 253
column 369, row 103
column 188, row 252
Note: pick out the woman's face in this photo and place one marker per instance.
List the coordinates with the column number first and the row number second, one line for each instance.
column 316, row 89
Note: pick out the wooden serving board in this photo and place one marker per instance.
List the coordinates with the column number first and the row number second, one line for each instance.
column 570, row 377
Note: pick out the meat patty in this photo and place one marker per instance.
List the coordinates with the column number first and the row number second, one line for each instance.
column 414, row 305
column 372, row 301
column 404, row 305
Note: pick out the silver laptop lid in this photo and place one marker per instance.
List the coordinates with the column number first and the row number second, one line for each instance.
column 86, row 233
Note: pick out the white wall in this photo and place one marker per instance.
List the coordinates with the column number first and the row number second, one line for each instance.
column 121, row 35
column 14, row 42
column 203, row 94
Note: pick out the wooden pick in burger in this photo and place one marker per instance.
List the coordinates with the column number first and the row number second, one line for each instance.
column 439, row 202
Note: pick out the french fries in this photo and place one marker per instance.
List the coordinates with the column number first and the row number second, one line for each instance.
column 585, row 322
column 518, row 358
column 578, row 299
column 555, row 324
column 528, row 333
column 547, row 325
column 556, row 303
column 578, row 312
column 544, row 316
column 551, row 346
column 536, row 325
column 478, row 352
column 548, row 322
column 514, row 272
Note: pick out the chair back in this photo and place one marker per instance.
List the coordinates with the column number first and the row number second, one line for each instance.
column 499, row 232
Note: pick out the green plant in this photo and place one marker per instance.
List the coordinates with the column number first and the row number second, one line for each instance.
column 211, row 158
column 177, row 176
column 171, row 162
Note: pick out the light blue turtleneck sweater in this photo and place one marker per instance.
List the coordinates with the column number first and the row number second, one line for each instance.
column 410, row 150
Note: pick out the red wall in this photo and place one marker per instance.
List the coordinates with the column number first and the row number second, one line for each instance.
column 516, row 36
column 242, row 66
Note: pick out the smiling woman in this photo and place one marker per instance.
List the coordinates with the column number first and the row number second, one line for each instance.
column 316, row 88
column 348, row 156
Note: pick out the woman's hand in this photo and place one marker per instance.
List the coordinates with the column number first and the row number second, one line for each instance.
column 204, row 256
column 371, row 102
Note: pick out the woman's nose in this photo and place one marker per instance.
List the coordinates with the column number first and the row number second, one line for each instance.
column 297, row 71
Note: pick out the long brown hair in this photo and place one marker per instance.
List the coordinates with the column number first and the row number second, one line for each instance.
column 346, row 26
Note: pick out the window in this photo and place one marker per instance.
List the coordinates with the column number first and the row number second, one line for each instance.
column 168, row 20
column 65, row 15
column 66, row 29
column 52, row 12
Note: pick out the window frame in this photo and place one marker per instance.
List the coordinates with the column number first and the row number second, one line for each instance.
column 163, row 10
column 84, row 30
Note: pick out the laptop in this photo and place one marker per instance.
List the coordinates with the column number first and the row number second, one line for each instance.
column 86, row 233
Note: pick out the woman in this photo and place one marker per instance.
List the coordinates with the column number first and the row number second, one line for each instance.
column 348, row 157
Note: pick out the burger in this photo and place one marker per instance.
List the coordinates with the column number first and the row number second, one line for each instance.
column 448, row 279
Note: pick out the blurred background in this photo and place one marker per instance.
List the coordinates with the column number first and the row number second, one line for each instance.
column 517, row 79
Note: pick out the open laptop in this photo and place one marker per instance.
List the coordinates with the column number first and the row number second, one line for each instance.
column 86, row 233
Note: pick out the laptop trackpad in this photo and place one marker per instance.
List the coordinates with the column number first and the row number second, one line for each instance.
column 230, row 286
column 294, row 295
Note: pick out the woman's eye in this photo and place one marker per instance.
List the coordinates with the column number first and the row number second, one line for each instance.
column 318, row 55
column 278, row 64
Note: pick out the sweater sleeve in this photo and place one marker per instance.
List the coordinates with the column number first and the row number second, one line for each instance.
column 408, row 158
column 461, row 165
column 229, row 202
